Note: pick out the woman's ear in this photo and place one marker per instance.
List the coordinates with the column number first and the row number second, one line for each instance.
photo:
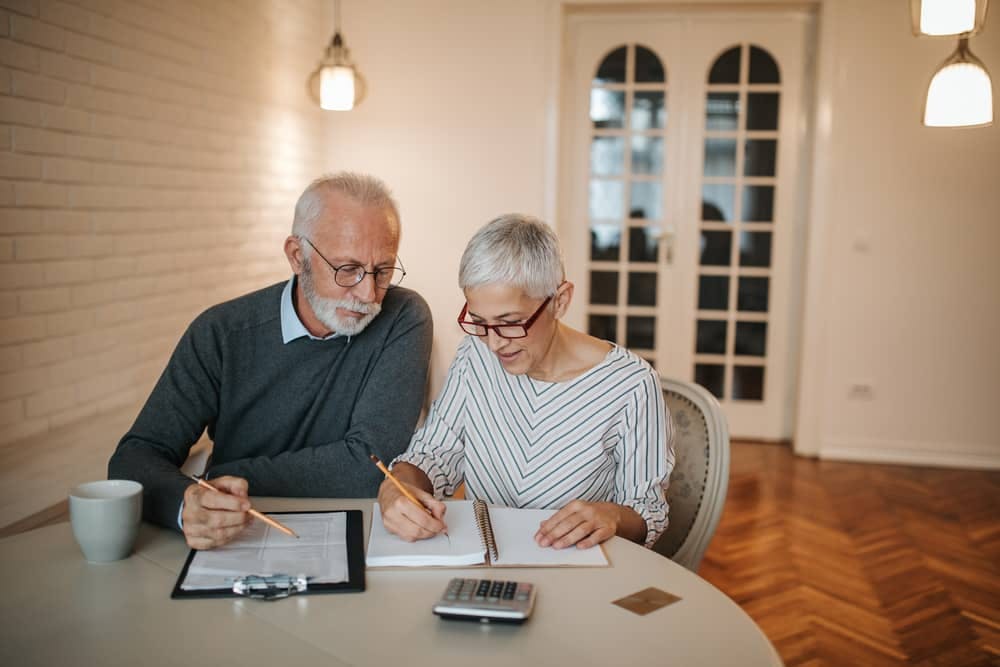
column 562, row 299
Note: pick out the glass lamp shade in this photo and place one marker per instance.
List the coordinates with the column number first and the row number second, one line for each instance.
column 336, row 84
column 336, row 88
column 938, row 18
column 961, row 93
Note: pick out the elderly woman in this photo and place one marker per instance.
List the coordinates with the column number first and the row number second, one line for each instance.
column 535, row 413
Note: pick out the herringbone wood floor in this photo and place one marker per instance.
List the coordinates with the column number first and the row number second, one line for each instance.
column 859, row 564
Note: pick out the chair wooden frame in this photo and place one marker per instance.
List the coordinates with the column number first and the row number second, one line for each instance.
column 686, row 544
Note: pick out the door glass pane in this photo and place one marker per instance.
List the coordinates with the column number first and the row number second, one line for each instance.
column 643, row 245
column 604, row 287
column 647, row 155
column 717, row 202
column 605, row 242
column 748, row 383
column 752, row 294
column 648, row 111
column 715, row 248
column 759, row 157
column 711, row 337
column 607, row 199
column 726, row 68
column 755, row 248
column 607, row 156
column 713, row 293
column 645, row 201
column 603, row 327
column 648, row 68
column 722, row 111
column 640, row 332
column 720, row 157
column 607, row 108
column 758, row 203
column 762, row 111
column 763, row 69
column 751, row 338
column 612, row 68
column 710, row 376
column 641, row 289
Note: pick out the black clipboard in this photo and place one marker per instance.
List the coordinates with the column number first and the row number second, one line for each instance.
column 355, row 563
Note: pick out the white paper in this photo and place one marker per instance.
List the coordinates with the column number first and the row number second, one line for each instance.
column 320, row 553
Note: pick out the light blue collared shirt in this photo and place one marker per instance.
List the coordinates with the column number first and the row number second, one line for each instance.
column 291, row 329
column 291, row 326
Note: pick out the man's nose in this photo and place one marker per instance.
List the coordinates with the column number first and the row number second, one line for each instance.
column 365, row 290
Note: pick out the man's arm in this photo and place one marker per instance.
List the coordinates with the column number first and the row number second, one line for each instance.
column 382, row 422
column 184, row 400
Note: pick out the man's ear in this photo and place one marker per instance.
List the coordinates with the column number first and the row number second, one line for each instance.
column 294, row 253
column 562, row 299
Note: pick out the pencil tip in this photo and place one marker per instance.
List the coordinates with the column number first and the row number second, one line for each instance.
column 373, row 458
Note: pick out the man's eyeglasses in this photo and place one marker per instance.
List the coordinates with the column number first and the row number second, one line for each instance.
column 518, row 330
column 349, row 275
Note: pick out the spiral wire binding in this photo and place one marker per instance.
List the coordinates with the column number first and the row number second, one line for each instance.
column 486, row 529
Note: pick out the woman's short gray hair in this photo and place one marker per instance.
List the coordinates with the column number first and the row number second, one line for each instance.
column 362, row 188
column 516, row 250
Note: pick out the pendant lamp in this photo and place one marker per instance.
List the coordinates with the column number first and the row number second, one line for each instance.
column 336, row 84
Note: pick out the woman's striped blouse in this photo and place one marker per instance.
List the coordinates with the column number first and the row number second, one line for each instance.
column 520, row 442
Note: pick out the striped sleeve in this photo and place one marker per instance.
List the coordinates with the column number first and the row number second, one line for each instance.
column 438, row 446
column 645, row 457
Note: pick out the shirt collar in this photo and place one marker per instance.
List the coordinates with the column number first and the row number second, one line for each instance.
column 291, row 326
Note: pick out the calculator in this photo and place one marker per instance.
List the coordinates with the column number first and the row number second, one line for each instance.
column 486, row 600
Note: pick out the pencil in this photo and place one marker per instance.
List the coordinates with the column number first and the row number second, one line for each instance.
column 263, row 517
column 399, row 485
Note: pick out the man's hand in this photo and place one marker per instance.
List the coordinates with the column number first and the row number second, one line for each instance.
column 581, row 523
column 213, row 518
column 401, row 517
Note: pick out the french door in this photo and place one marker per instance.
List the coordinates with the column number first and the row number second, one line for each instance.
column 681, row 187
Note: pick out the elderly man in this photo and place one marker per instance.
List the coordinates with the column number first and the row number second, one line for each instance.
column 297, row 383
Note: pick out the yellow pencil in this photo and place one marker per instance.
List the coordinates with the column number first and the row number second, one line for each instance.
column 263, row 517
column 399, row 485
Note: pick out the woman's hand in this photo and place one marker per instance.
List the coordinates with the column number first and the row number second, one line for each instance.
column 581, row 523
column 402, row 517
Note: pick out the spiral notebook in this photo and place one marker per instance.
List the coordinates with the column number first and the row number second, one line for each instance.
column 478, row 535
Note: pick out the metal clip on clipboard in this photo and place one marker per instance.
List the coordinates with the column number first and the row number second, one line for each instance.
column 273, row 587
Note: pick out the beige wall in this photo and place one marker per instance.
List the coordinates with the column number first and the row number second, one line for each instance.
column 904, row 280
column 150, row 154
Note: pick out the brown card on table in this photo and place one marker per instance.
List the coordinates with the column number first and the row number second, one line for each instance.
column 646, row 600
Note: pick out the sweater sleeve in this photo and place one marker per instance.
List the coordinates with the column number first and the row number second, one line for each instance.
column 381, row 422
column 645, row 457
column 184, row 401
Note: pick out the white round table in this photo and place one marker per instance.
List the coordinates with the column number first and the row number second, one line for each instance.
column 58, row 609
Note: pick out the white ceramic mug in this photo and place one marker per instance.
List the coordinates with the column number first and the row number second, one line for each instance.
column 105, row 516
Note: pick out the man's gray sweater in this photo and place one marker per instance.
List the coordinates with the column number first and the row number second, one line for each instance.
column 296, row 419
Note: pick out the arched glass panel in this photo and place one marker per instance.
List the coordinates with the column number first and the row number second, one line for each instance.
column 626, row 210
column 648, row 68
column 612, row 68
column 739, row 178
column 763, row 69
column 726, row 68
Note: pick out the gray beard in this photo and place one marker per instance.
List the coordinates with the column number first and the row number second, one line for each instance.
column 325, row 308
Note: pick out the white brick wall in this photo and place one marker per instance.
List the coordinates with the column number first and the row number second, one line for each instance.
column 150, row 156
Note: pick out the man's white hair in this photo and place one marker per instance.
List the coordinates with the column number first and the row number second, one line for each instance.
column 364, row 189
column 516, row 250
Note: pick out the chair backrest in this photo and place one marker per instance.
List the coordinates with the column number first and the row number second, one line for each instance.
column 700, row 477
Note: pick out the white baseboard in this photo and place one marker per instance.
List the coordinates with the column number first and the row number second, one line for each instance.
column 906, row 452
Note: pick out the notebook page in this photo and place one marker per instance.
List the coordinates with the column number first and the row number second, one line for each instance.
column 514, row 530
column 462, row 546
column 320, row 553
